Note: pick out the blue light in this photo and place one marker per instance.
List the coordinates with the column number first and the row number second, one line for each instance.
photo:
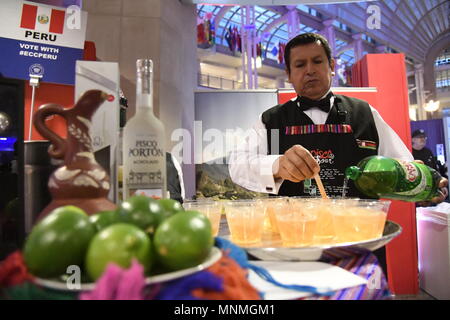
column 7, row 143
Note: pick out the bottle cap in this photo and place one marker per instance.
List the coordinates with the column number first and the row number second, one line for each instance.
column 352, row 172
column 144, row 65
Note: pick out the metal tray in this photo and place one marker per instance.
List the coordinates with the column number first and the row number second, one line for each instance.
column 271, row 249
column 60, row 285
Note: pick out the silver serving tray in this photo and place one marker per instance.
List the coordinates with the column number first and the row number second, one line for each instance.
column 272, row 250
column 58, row 284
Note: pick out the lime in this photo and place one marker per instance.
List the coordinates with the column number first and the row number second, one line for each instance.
column 104, row 219
column 170, row 207
column 120, row 244
column 141, row 211
column 183, row 240
column 58, row 241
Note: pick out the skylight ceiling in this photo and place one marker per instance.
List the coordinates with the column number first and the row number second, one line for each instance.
column 406, row 26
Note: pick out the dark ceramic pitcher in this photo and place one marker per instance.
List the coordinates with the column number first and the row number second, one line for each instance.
column 81, row 181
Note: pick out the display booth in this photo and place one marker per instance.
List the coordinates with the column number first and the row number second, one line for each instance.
column 385, row 77
column 387, row 94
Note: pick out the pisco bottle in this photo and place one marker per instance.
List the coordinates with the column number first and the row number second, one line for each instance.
column 144, row 155
column 382, row 177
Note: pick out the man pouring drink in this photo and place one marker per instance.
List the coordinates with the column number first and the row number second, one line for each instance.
column 317, row 133
column 312, row 129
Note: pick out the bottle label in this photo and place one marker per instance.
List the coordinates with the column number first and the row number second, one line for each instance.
column 137, row 179
column 415, row 175
column 152, row 193
column 144, row 161
column 145, row 149
column 410, row 170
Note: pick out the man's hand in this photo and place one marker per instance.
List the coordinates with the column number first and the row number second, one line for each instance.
column 297, row 164
column 443, row 192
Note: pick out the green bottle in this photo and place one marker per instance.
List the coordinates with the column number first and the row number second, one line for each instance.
column 381, row 177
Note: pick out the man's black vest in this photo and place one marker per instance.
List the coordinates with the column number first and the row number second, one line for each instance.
column 361, row 143
column 173, row 179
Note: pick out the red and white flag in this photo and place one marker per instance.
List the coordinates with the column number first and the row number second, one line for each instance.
column 43, row 19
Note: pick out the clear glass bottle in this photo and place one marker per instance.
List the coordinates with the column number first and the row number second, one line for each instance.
column 144, row 156
column 123, row 119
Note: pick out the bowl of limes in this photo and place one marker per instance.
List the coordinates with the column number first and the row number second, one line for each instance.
column 166, row 240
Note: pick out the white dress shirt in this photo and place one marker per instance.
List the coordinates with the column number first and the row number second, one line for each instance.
column 251, row 167
column 180, row 175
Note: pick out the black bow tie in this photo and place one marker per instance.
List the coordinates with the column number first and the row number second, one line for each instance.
column 323, row 104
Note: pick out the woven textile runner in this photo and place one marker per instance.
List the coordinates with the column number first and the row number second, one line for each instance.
column 366, row 144
column 366, row 266
column 318, row 128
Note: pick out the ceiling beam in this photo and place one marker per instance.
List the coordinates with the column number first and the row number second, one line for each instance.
column 353, row 16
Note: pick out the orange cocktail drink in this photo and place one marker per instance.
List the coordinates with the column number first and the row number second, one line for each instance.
column 270, row 206
column 359, row 221
column 211, row 209
column 324, row 230
column 245, row 221
column 295, row 224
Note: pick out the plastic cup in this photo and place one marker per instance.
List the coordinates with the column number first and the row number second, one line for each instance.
column 359, row 220
column 211, row 209
column 324, row 231
column 296, row 223
column 269, row 206
column 245, row 220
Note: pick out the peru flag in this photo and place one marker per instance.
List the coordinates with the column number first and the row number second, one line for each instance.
column 42, row 19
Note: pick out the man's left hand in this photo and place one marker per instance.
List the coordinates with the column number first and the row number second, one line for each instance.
column 443, row 192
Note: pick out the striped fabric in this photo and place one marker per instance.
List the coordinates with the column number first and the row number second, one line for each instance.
column 366, row 266
column 366, row 144
column 318, row 128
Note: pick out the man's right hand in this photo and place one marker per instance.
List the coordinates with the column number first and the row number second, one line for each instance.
column 296, row 164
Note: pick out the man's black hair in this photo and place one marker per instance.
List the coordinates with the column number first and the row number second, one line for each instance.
column 303, row 39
